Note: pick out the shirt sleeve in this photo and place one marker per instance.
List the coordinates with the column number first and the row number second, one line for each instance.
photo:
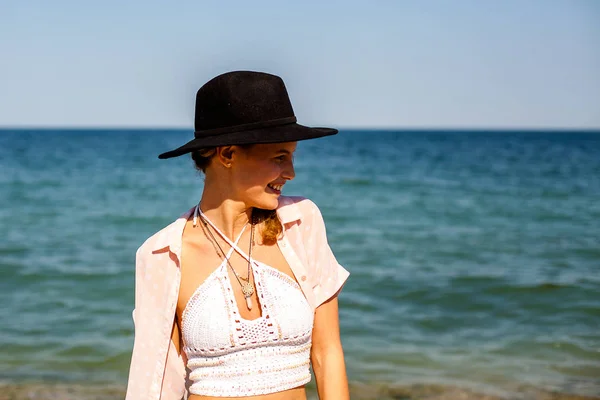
column 135, row 383
column 329, row 275
column 152, row 346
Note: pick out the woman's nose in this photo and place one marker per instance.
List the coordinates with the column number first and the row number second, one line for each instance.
column 288, row 172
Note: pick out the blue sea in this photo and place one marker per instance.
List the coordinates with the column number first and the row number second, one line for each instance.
column 474, row 255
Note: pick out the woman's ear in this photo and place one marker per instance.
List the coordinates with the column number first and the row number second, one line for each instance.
column 225, row 155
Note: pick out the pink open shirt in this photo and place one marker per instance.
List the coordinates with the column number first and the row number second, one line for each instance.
column 157, row 371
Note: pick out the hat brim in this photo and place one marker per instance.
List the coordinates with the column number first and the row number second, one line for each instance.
column 278, row 134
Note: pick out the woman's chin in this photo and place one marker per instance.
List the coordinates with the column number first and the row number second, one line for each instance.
column 268, row 204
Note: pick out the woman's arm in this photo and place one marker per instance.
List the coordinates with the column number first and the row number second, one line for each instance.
column 327, row 356
column 175, row 338
column 174, row 381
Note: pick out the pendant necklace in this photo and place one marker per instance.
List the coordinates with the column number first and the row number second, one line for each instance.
column 246, row 286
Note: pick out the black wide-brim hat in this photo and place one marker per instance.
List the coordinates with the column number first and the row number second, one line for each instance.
column 245, row 107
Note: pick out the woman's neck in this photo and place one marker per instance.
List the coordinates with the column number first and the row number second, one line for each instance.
column 229, row 216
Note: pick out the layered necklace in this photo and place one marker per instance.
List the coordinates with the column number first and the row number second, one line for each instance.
column 245, row 282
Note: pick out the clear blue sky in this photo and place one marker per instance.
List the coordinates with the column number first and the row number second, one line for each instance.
column 453, row 63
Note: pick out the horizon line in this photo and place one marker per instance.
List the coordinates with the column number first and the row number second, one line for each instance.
column 340, row 128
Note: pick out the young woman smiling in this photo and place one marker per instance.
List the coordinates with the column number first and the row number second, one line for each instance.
column 238, row 297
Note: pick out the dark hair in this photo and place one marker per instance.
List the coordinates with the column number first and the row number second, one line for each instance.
column 272, row 228
column 202, row 158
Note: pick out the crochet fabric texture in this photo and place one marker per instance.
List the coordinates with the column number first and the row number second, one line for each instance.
column 230, row 356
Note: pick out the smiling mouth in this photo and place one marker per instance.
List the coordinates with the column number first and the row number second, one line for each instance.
column 275, row 187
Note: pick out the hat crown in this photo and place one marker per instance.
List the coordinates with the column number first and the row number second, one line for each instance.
column 240, row 98
column 244, row 107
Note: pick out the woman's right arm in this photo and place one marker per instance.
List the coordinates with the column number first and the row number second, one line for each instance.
column 175, row 337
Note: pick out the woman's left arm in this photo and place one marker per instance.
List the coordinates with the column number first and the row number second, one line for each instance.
column 327, row 356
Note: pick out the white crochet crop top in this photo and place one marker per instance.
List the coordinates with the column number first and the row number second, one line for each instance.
column 230, row 356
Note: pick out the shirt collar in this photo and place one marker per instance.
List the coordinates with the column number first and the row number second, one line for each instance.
column 287, row 211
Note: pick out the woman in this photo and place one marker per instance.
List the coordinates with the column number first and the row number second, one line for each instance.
column 236, row 297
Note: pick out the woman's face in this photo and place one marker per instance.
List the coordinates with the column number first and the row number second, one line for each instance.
column 260, row 171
